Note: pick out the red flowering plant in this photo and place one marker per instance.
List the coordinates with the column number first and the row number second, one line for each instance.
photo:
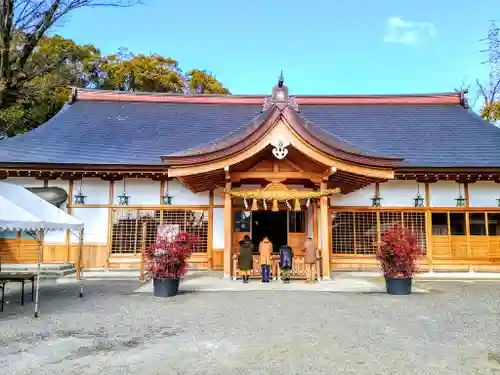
column 398, row 253
column 167, row 259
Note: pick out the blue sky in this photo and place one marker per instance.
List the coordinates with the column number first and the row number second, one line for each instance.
column 323, row 46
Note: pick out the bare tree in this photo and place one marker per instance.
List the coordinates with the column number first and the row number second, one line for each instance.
column 23, row 24
column 490, row 91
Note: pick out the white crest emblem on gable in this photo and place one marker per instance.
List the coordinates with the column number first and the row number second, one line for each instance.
column 280, row 150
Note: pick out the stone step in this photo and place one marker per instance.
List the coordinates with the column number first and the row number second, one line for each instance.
column 47, row 271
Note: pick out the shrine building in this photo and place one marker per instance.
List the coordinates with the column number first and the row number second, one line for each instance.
column 341, row 169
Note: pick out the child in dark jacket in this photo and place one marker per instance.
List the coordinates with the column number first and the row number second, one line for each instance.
column 286, row 258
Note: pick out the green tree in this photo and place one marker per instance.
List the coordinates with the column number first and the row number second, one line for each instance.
column 202, row 82
column 126, row 72
column 155, row 73
column 23, row 27
column 40, row 97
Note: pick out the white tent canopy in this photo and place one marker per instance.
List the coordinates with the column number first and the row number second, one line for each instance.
column 20, row 209
column 13, row 217
column 50, row 217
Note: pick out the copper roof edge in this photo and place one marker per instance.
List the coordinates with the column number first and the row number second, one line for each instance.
column 454, row 98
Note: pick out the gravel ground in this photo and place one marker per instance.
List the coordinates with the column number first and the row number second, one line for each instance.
column 113, row 330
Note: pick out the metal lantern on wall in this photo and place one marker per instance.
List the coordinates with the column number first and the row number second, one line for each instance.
column 124, row 198
column 418, row 200
column 80, row 198
column 376, row 200
column 460, row 199
column 166, row 199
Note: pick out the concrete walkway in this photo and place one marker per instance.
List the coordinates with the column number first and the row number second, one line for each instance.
column 211, row 283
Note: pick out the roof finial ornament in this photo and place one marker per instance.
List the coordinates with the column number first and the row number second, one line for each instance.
column 279, row 96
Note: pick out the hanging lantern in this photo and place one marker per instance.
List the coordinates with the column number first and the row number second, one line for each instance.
column 376, row 200
column 124, row 198
column 296, row 205
column 167, row 199
column 288, row 205
column 245, row 203
column 80, row 198
column 418, row 201
column 275, row 205
column 255, row 207
column 460, row 199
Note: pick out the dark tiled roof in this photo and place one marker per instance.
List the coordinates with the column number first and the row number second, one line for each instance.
column 424, row 135
column 93, row 132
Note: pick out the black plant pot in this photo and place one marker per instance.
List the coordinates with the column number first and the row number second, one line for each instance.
column 398, row 286
column 165, row 287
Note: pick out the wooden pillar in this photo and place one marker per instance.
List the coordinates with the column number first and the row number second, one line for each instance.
column 228, row 231
column 110, row 218
column 315, row 224
column 428, row 226
column 68, row 233
column 162, row 191
column 143, row 248
column 79, row 256
column 467, row 225
column 325, row 248
column 210, row 237
column 466, row 194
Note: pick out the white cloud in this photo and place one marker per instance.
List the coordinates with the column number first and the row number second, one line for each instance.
column 406, row 32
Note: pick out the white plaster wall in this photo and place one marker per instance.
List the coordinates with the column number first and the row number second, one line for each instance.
column 96, row 190
column 361, row 197
column 182, row 196
column 399, row 193
column 140, row 190
column 218, row 237
column 219, row 196
column 483, row 194
column 443, row 193
column 96, row 225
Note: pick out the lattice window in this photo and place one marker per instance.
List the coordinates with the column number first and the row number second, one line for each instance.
column 366, row 232
column 388, row 219
column 415, row 222
column 133, row 229
column 343, row 233
column 356, row 232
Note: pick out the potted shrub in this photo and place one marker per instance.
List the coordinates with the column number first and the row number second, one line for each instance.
column 167, row 262
column 397, row 255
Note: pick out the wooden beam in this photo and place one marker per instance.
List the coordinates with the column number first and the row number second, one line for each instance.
column 238, row 176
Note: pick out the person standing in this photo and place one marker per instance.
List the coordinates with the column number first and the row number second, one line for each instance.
column 286, row 257
column 310, row 260
column 245, row 260
column 265, row 250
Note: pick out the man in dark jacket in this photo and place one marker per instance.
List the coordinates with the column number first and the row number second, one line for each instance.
column 245, row 260
column 286, row 257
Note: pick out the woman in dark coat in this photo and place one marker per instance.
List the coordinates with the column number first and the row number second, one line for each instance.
column 245, row 260
column 286, row 258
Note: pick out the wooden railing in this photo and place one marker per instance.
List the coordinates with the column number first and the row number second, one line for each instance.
column 298, row 267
